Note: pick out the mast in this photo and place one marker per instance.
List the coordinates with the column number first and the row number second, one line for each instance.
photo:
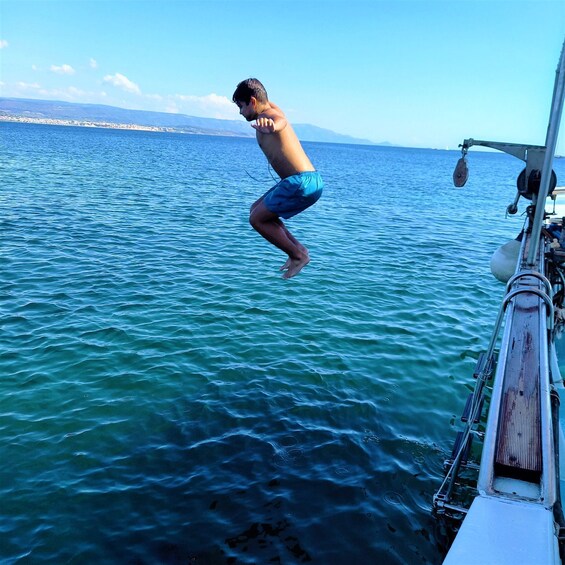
column 550, row 145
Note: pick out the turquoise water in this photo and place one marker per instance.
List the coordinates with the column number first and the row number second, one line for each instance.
column 165, row 397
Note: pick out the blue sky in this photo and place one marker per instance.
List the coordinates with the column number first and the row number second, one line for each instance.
column 422, row 73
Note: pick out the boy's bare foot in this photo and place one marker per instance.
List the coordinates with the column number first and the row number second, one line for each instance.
column 296, row 265
column 289, row 260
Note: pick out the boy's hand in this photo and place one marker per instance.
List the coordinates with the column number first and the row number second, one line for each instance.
column 264, row 125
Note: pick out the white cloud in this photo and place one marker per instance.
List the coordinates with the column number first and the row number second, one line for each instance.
column 3, row 43
column 23, row 89
column 27, row 85
column 120, row 81
column 62, row 69
column 210, row 106
column 76, row 92
column 171, row 108
column 93, row 63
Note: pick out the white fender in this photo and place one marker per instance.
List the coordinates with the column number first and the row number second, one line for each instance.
column 504, row 260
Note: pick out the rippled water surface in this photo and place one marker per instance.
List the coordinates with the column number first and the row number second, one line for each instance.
column 165, row 397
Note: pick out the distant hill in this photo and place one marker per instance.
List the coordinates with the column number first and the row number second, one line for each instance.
column 99, row 113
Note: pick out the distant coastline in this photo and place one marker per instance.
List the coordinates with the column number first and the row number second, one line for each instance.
column 94, row 124
column 53, row 112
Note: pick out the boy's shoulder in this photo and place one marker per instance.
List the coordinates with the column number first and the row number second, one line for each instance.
column 272, row 111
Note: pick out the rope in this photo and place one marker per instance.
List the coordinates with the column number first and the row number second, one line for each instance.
column 269, row 168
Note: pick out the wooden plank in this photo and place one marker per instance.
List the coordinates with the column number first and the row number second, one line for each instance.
column 518, row 452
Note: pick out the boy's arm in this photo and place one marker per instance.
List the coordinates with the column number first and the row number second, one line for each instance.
column 271, row 120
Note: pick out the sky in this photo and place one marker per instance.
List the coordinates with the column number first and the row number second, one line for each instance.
column 416, row 73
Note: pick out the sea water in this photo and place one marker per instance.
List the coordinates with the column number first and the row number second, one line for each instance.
column 166, row 397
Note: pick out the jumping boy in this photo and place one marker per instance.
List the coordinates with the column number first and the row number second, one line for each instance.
column 300, row 185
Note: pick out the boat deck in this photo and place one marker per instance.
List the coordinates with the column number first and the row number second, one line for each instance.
column 505, row 533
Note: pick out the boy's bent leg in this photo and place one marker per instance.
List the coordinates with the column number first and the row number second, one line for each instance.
column 254, row 205
column 295, row 241
column 273, row 230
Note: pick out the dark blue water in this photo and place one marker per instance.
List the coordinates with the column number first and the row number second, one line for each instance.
column 165, row 397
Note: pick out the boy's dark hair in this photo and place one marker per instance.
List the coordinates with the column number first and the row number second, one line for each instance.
column 248, row 88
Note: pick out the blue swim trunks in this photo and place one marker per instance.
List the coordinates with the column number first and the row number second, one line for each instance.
column 294, row 194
